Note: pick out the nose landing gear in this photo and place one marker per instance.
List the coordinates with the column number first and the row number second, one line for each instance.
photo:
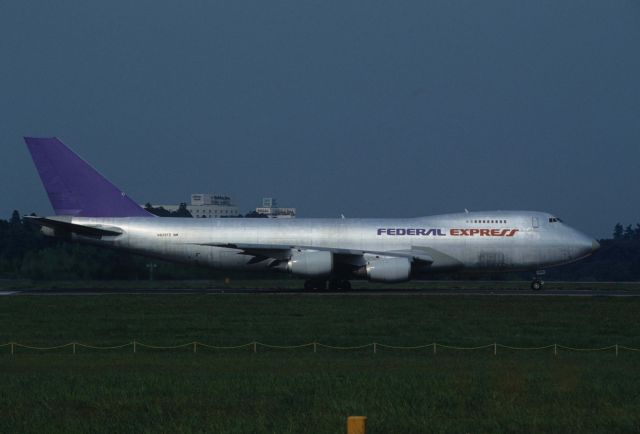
column 537, row 282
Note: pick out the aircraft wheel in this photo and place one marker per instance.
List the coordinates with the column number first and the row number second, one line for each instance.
column 536, row 285
column 345, row 285
column 315, row 284
column 334, row 285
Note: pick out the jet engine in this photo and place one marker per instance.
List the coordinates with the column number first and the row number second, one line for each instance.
column 389, row 270
column 310, row 263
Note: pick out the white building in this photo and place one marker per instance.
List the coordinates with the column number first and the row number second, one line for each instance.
column 270, row 209
column 208, row 205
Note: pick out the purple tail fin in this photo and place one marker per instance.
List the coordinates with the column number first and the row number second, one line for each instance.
column 74, row 187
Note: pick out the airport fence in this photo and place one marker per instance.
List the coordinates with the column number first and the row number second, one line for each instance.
column 374, row 347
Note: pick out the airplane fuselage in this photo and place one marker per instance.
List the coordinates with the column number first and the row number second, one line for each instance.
column 475, row 241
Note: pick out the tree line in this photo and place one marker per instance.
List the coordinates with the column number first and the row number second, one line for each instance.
column 626, row 233
column 25, row 253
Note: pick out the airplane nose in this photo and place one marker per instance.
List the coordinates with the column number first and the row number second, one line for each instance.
column 584, row 244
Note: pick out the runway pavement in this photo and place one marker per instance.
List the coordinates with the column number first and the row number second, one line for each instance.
column 355, row 293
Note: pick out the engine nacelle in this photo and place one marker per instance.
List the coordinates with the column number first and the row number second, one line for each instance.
column 389, row 270
column 310, row 263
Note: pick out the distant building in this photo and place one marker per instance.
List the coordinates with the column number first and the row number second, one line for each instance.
column 270, row 209
column 208, row 205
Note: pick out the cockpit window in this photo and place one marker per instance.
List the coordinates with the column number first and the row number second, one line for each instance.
column 554, row 220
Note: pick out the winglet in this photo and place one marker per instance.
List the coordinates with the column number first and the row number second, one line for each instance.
column 74, row 187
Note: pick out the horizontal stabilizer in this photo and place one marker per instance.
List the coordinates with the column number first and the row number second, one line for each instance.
column 64, row 227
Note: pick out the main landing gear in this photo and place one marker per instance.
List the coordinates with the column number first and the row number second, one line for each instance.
column 315, row 285
column 321, row 285
column 341, row 285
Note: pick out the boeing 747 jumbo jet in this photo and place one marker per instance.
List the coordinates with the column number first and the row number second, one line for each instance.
column 90, row 209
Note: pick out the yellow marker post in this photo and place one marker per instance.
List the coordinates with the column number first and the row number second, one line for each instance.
column 356, row 424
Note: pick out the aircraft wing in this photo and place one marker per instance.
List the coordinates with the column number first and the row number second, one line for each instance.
column 283, row 252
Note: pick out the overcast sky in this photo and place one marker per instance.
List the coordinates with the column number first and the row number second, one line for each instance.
column 368, row 109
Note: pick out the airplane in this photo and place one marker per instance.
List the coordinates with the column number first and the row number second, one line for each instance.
column 90, row 209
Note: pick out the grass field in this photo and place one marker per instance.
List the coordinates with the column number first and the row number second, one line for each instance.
column 295, row 391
